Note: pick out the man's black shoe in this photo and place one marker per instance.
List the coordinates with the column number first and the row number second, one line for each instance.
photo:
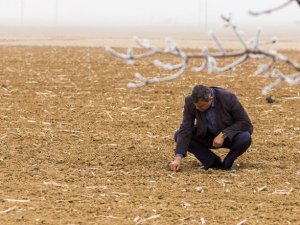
column 232, row 168
column 217, row 165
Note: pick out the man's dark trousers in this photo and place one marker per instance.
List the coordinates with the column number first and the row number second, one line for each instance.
column 200, row 147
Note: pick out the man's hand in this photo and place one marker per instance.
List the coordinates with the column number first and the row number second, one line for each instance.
column 218, row 141
column 175, row 164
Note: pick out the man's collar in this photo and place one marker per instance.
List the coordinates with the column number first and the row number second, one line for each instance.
column 213, row 98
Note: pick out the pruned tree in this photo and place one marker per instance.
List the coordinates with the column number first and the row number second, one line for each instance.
column 251, row 49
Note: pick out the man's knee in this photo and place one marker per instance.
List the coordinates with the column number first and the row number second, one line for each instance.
column 243, row 138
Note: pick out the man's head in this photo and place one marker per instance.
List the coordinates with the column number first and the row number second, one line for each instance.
column 202, row 97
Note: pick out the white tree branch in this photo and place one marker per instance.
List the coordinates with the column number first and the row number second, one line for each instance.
column 268, row 11
column 214, row 37
column 251, row 49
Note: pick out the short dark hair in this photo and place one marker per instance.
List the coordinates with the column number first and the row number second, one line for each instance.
column 201, row 93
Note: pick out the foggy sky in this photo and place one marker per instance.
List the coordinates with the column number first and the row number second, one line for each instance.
column 154, row 14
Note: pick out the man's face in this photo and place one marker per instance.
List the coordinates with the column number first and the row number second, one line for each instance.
column 203, row 105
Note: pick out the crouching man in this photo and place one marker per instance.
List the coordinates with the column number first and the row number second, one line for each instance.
column 213, row 118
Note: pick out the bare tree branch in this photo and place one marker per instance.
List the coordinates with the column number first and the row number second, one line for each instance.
column 277, row 8
column 251, row 49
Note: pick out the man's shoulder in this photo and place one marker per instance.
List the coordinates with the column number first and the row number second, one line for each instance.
column 188, row 102
column 188, row 99
column 222, row 91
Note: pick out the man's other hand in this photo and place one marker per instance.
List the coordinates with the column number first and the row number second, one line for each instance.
column 218, row 141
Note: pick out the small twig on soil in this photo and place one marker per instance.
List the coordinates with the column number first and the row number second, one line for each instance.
column 8, row 210
column 55, row 184
column 202, row 220
column 223, row 182
column 46, row 94
column 4, row 136
column 96, row 187
column 171, row 176
column 135, row 109
column 113, row 217
column 146, row 219
column 71, row 131
column 70, row 200
column 283, row 192
column 184, row 204
column 242, row 222
column 297, row 97
column 120, row 194
column 199, row 189
column 46, row 123
column 16, row 200
column 107, row 112
column 186, row 218
column 112, row 145
column 260, row 189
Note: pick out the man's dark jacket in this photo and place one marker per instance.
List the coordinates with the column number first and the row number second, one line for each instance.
column 231, row 119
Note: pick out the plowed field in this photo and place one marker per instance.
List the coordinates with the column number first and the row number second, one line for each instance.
column 78, row 147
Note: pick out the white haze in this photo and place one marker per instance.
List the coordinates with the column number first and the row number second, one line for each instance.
column 147, row 16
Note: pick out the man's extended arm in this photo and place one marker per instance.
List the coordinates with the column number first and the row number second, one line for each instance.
column 184, row 134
